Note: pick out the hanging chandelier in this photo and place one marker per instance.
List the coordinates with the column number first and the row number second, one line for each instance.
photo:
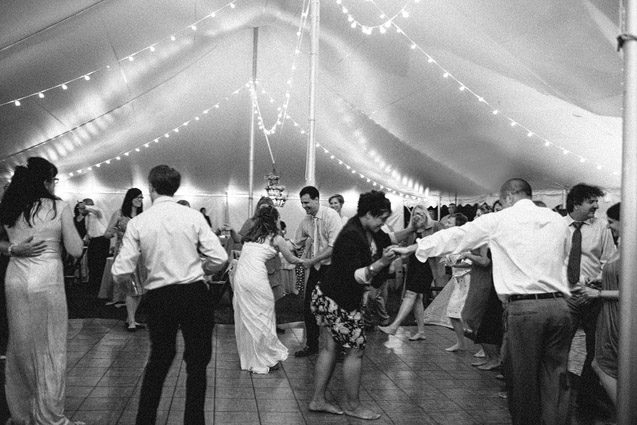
column 275, row 191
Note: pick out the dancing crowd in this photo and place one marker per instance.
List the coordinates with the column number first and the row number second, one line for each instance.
column 519, row 279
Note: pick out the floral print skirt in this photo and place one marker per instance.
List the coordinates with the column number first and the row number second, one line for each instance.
column 347, row 328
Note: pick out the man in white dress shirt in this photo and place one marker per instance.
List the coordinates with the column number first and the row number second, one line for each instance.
column 529, row 250
column 591, row 246
column 321, row 225
column 98, row 246
column 171, row 239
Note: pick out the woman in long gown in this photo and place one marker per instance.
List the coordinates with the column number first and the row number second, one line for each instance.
column 35, row 223
column 255, row 325
column 132, row 291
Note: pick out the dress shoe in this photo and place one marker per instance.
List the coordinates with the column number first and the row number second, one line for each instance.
column 306, row 351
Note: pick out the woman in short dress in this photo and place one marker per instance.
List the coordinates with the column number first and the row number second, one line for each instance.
column 607, row 334
column 132, row 206
column 360, row 258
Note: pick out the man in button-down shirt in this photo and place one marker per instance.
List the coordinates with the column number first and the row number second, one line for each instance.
column 98, row 245
column 321, row 225
column 597, row 247
column 171, row 239
column 529, row 250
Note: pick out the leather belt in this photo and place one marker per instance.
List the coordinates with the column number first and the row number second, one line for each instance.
column 541, row 296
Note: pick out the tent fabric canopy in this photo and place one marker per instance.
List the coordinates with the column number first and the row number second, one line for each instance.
column 385, row 111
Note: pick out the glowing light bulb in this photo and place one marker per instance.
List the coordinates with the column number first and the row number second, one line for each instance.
column 130, row 58
column 513, row 123
column 353, row 25
column 17, row 103
column 413, row 46
column 193, row 27
column 547, row 143
column 495, row 112
column 404, row 13
column 87, row 77
column 582, row 160
column 41, row 95
column 529, row 134
column 232, row 5
column 64, row 87
column 173, row 38
column 462, row 88
column 445, row 75
column 213, row 14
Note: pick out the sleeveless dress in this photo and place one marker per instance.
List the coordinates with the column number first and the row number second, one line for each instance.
column 255, row 324
column 135, row 287
column 37, row 316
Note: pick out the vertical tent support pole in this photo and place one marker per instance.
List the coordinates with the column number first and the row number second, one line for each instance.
column 310, row 160
column 627, row 379
column 255, row 44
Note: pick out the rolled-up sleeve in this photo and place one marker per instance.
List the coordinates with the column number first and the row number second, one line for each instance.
column 456, row 239
column 210, row 246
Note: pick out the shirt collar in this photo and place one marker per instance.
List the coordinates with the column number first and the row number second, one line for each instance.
column 570, row 220
column 164, row 199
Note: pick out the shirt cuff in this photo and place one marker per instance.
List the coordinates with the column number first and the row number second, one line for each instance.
column 362, row 276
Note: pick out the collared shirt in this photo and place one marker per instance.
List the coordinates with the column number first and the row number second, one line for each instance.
column 95, row 222
column 329, row 225
column 170, row 239
column 528, row 246
column 597, row 246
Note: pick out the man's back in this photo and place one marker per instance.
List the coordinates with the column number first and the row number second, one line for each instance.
column 171, row 238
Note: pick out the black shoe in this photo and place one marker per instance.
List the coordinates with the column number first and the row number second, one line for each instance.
column 280, row 330
column 306, row 351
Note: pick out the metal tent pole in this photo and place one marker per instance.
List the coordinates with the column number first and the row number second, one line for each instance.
column 255, row 44
column 627, row 379
column 310, row 160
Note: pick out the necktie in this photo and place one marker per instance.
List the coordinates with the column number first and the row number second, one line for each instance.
column 575, row 257
column 315, row 240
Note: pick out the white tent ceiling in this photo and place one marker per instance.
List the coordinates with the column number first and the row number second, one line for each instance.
column 549, row 68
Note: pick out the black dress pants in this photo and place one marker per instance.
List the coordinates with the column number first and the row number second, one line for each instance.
column 311, row 328
column 189, row 307
column 96, row 254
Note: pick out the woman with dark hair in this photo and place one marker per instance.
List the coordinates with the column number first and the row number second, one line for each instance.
column 132, row 290
column 607, row 334
column 35, row 226
column 206, row 216
column 360, row 258
column 259, row 348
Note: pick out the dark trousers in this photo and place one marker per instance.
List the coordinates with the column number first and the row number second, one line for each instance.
column 584, row 314
column 96, row 254
column 190, row 308
column 536, row 347
column 311, row 328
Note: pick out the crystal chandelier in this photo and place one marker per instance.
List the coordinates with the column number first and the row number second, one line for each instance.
column 275, row 191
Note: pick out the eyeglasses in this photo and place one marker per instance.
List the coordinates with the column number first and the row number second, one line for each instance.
column 55, row 180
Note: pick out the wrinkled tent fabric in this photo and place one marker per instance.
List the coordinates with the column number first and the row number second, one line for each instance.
column 382, row 108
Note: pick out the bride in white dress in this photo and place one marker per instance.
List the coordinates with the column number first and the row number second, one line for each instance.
column 255, row 326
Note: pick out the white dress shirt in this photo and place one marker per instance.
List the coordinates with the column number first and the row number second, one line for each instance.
column 329, row 225
column 171, row 238
column 95, row 222
column 528, row 247
column 597, row 247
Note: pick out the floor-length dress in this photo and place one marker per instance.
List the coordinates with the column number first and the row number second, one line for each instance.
column 255, row 324
column 38, row 320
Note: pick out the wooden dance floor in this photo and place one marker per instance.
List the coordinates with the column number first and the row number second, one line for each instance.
column 409, row 382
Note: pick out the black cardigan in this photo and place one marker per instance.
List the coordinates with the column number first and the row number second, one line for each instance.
column 351, row 252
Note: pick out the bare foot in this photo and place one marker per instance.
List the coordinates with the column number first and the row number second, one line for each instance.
column 388, row 330
column 493, row 364
column 417, row 337
column 454, row 348
column 324, row 407
column 362, row 413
